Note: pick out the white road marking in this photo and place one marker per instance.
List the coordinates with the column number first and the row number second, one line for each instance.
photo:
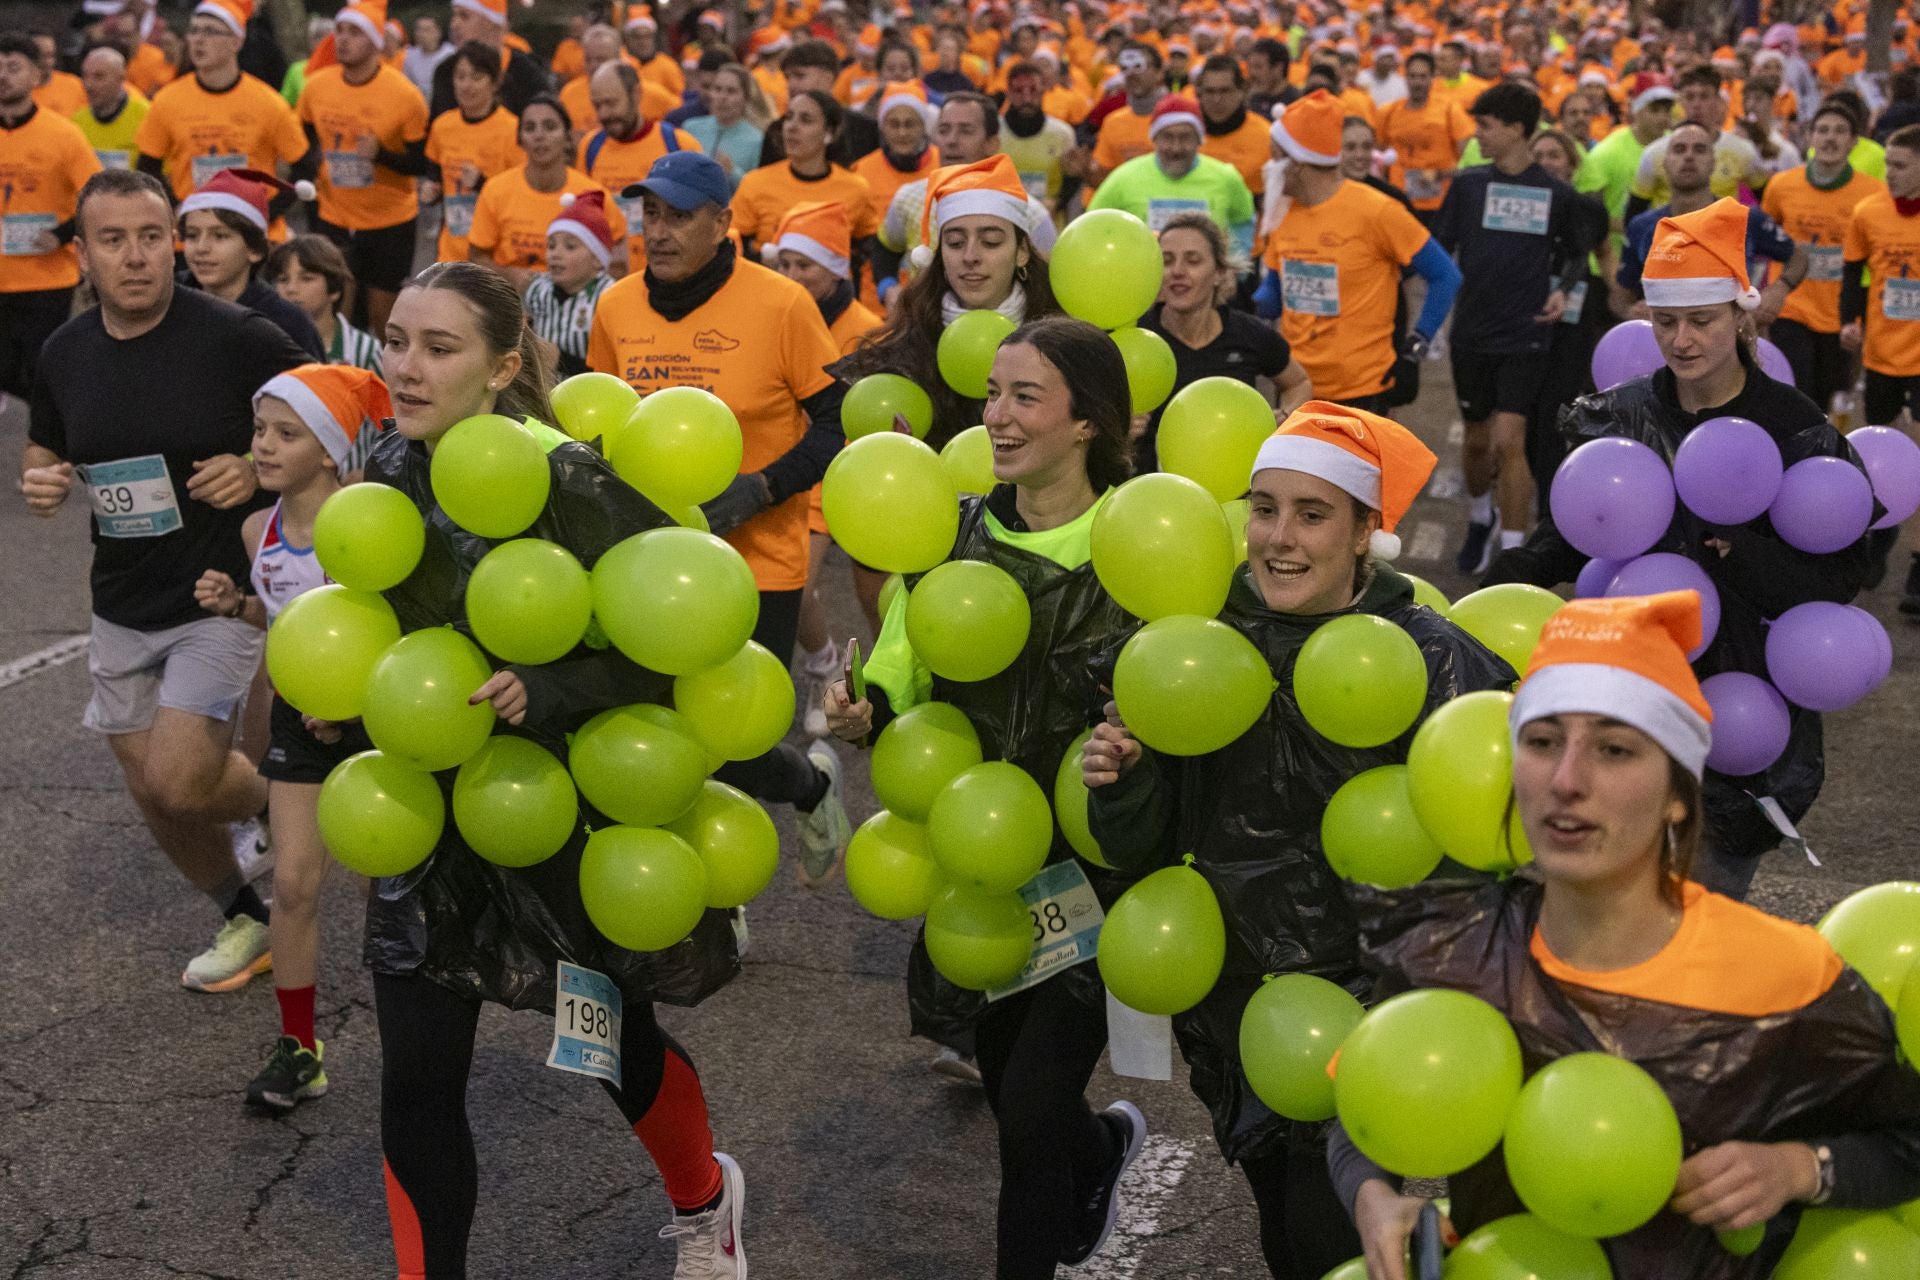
column 1145, row 1191
column 1428, row 541
column 46, row 659
column 1456, row 433
column 1447, row 484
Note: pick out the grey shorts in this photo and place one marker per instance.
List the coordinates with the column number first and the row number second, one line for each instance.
column 203, row 667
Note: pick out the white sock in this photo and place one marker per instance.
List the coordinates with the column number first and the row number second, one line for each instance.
column 1480, row 507
column 1511, row 538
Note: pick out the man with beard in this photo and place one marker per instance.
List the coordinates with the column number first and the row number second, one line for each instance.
column 1042, row 148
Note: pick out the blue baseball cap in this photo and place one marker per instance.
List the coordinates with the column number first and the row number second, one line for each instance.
column 686, row 180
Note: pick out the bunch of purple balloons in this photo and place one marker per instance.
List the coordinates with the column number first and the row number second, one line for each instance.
column 1628, row 351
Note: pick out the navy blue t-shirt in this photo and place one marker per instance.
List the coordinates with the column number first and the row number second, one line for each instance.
column 1765, row 239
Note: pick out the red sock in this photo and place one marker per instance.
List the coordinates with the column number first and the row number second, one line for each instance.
column 678, row 1138
column 408, row 1249
column 296, row 1014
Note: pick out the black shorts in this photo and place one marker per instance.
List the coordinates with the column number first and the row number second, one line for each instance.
column 1821, row 366
column 1488, row 383
column 294, row 755
column 379, row 259
column 27, row 319
column 1888, row 395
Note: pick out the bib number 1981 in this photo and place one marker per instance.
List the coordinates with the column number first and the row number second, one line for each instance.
column 586, row 1024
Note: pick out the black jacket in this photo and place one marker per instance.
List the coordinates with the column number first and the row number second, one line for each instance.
column 522, row 81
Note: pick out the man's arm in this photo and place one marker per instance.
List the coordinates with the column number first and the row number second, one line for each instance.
column 45, row 479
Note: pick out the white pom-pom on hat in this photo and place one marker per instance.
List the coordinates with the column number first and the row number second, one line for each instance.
column 921, row 257
column 304, row 190
column 1384, row 545
column 770, row 253
column 566, row 199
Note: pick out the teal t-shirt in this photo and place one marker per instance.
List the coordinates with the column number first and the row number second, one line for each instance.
column 1213, row 187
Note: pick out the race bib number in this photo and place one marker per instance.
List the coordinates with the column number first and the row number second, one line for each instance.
column 1035, row 183
column 586, row 1024
column 1825, row 261
column 1425, row 184
column 1901, row 300
column 349, row 170
column 1576, row 303
column 20, row 233
column 1066, row 925
column 460, row 215
column 204, row 167
column 1515, row 208
column 630, row 209
column 113, row 159
column 132, row 498
column 1312, row 288
column 1161, row 212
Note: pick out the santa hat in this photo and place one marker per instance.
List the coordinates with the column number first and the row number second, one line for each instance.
column 370, row 16
column 910, row 93
column 494, row 11
column 1625, row 658
column 1645, row 89
column 1172, row 110
column 583, row 215
column 818, row 230
column 234, row 13
column 868, row 41
column 1374, row 459
column 1700, row 258
column 247, row 192
column 640, row 18
column 1309, row 129
column 991, row 186
column 334, row 400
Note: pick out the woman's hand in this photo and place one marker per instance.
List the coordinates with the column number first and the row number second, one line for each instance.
column 1110, row 751
column 507, row 694
column 1734, row 1185
column 1385, row 1220
column 326, row 732
column 216, row 594
column 847, row 720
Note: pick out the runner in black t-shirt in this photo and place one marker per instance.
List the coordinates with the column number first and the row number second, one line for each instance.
column 145, row 404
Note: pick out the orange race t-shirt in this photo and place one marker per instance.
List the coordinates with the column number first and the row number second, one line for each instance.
column 356, row 193
column 196, row 132
column 1340, row 263
column 490, row 145
column 1064, row 102
column 1428, row 140
column 569, row 60
column 1247, row 149
column 666, row 73
column 1123, row 135
column 1817, row 221
column 510, row 219
column 617, row 165
column 1890, row 245
column 766, row 193
column 761, row 346
column 148, row 69
column 44, row 161
column 62, row 94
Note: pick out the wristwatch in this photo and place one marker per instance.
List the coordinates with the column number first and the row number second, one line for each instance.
column 1416, row 347
column 1823, row 1162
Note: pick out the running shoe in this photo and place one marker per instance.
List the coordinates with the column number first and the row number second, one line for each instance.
column 817, row 672
column 1089, row 1235
column 252, row 848
column 292, row 1075
column 240, row 950
column 1477, row 551
column 825, row 831
column 1910, row 593
column 709, row 1243
column 741, row 939
column 956, row 1066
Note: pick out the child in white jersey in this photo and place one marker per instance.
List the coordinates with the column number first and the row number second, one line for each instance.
column 561, row 299
column 305, row 422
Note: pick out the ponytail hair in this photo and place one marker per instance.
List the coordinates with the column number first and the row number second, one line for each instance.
column 503, row 324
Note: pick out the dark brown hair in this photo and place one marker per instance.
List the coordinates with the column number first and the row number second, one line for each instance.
column 323, row 258
column 503, row 324
column 254, row 238
column 1097, row 388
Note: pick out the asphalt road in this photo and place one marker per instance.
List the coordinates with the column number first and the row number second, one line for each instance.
column 125, row 1152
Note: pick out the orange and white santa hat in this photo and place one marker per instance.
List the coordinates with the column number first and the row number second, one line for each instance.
column 1308, row 130
column 583, row 215
column 234, row 14
column 370, row 16
column 336, row 401
column 818, row 230
column 494, row 11
column 910, row 94
column 639, row 18
column 247, row 192
column 991, row 186
column 1700, row 258
column 1375, row 459
column 1624, row 657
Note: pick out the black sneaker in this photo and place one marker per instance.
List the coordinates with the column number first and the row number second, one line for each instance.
column 1476, row 551
column 1095, row 1224
column 1910, row 594
column 292, row 1075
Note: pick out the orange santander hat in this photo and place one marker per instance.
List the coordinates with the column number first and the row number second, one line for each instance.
column 334, row 400
column 1309, row 129
column 1700, row 258
column 991, row 186
column 1624, row 658
column 494, row 11
column 1375, row 459
column 818, row 230
column 370, row 16
column 234, row 14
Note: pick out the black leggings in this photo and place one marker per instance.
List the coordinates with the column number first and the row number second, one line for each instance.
column 1304, row 1229
column 1037, row 1051
column 783, row 775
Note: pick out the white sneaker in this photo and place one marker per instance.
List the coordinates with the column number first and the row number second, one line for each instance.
column 252, row 848
column 741, row 940
column 817, row 671
column 824, row 832
column 709, row 1243
column 956, row 1066
column 240, row 950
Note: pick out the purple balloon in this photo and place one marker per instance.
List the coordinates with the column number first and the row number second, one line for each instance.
column 1882, row 645
column 1774, row 362
column 1612, row 498
column 1665, row 571
column 1824, row 504
column 1750, row 724
column 1822, row 656
column 1593, row 580
column 1625, row 352
column 1728, row 471
column 1893, row 465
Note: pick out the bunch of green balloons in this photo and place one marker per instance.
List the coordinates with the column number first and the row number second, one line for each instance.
column 1187, row 686
column 966, row 350
column 1163, row 944
column 1593, row 1146
column 1507, row 619
column 1360, row 680
column 593, row 406
column 1162, row 546
column 1211, row 432
column 890, row 503
column 490, row 476
column 874, row 401
column 1289, row 1032
column 968, row 620
column 680, row 446
column 1460, row 777
column 368, row 536
column 1105, row 268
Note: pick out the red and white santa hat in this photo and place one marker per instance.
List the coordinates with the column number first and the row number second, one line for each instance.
column 990, row 186
column 1308, row 130
column 235, row 14
column 583, row 215
column 1374, row 459
column 334, row 400
column 1700, row 258
column 370, row 16
column 819, row 230
column 247, row 192
column 1175, row 108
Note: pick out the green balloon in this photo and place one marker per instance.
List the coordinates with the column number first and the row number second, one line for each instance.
column 968, row 458
column 892, row 587
column 644, row 889
column 1743, row 1242
column 1164, row 942
column 736, row 841
column 640, row 765
column 1507, row 619
column 1524, row 1248
column 1370, row 835
column 891, row 504
column 1909, row 1215
column 529, row 601
column 490, row 476
column 1238, row 512
column 1186, row 686
column 1212, row 431
column 741, row 708
column 1353, row 1270
column 514, row 803
column 1289, row 1032
column 919, row 753
column 592, row 406
column 890, row 868
column 417, row 699
column 1877, row 931
column 965, row 353
column 1906, row 1016
column 680, row 446
column 368, row 536
column 322, row 648
column 1426, row 593
column 1849, row 1244
column 991, row 828
column 1105, row 268
column 1070, row 804
column 675, row 600
column 872, row 403
column 1592, row 1145
column 1426, row 1082
column 1360, row 680
column 977, row 940
column 1162, row 546
column 968, row 620
column 1460, row 777
column 1150, row 367
column 380, row 816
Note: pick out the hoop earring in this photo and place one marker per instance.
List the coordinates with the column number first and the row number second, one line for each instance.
column 1020, row 273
